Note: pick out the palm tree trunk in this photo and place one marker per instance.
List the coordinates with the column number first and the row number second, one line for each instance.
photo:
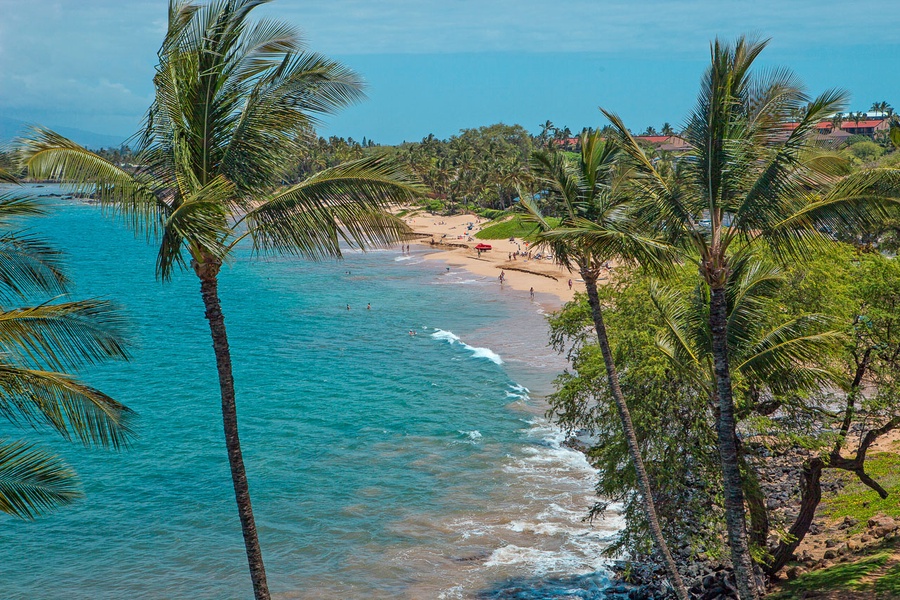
column 590, row 280
column 735, row 517
column 208, row 274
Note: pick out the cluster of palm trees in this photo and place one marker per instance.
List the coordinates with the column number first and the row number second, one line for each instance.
column 883, row 108
column 742, row 189
column 478, row 169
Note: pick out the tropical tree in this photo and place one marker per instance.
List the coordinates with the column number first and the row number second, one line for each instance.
column 667, row 129
column 837, row 120
column 548, row 131
column 40, row 346
column 745, row 185
column 597, row 228
column 233, row 99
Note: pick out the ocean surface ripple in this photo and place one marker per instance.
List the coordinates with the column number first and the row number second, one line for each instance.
column 382, row 464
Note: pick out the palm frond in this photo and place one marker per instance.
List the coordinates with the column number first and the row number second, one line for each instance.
column 346, row 203
column 72, row 409
column 7, row 177
column 34, row 482
column 64, row 336
column 28, row 266
column 49, row 155
column 198, row 224
column 786, row 357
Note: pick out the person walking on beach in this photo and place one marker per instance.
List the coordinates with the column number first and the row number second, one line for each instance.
column 502, row 277
column 570, row 284
column 531, row 293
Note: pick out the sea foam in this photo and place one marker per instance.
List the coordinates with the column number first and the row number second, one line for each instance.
column 452, row 338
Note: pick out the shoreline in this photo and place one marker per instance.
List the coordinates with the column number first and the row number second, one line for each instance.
column 452, row 240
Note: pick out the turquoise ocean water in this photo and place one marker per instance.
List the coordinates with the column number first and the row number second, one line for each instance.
column 381, row 465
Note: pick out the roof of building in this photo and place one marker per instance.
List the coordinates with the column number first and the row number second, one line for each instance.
column 653, row 139
column 851, row 124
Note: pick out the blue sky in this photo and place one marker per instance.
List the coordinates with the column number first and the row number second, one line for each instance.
column 439, row 66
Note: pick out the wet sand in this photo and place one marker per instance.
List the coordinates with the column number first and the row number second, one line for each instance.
column 454, row 243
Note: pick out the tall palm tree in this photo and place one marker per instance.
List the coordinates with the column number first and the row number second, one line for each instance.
column 596, row 228
column 233, row 99
column 773, row 357
column 39, row 346
column 746, row 184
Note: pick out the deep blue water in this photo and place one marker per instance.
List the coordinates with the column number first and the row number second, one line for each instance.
column 381, row 465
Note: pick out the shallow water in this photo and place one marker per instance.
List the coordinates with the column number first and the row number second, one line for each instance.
column 381, row 465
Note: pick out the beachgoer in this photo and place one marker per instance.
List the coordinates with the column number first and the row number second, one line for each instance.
column 570, row 284
column 502, row 277
column 369, row 306
column 348, row 307
column 531, row 291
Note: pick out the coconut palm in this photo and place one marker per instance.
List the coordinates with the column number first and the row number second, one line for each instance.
column 597, row 228
column 773, row 357
column 746, row 183
column 39, row 346
column 233, row 99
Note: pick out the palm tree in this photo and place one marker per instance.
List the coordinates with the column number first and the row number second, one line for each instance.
column 667, row 129
column 547, row 132
column 39, row 346
column 837, row 120
column 768, row 354
column 597, row 228
column 746, row 184
column 232, row 100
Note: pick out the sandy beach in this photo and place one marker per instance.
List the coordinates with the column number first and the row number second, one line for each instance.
column 454, row 243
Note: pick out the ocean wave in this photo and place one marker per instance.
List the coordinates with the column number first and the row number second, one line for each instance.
column 452, row 338
column 517, row 391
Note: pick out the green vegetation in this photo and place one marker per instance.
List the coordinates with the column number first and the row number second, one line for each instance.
column 858, row 501
column 600, row 226
column 232, row 100
column 508, row 227
column 731, row 367
column 846, row 577
column 41, row 345
column 865, row 152
column 888, row 585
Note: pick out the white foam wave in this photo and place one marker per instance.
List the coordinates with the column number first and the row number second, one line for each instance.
column 517, row 391
column 542, row 562
column 472, row 435
column 402, row 258
column 452, row 338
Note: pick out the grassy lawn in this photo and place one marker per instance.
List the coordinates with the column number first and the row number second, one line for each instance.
column 507, row 227
column 860, row 501
column 846, row 577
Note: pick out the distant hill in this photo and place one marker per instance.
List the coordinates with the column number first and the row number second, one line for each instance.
column 10, row 128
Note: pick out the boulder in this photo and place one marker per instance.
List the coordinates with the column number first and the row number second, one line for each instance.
column 880, row 526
